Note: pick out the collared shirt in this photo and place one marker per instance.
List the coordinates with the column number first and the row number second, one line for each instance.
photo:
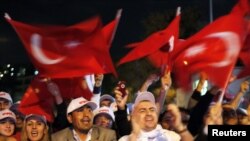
column 77, row 138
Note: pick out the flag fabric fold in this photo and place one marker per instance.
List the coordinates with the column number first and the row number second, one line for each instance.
column 66, row 51
column 243, row 7
column 159, row 43
column 38, row 100
column 213, row 50
column 109, row 30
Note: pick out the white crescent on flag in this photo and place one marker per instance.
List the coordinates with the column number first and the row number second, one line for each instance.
column 232, row 45
column 171, row 43
column 38, row 54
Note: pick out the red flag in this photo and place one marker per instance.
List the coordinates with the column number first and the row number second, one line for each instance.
column 37, row 95
column 60, row 51
column 162, row 56
column 69, row 88
column 245, row 57
column 213, row 50
column 73, row 88
column 242, row 7
column 110, row 29
column 37, row 100
column 42, row 108
column 159, row 42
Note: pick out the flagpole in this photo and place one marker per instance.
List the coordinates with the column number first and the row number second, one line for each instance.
column 118, row 16
column 211, row 10
column 226, row 84
column 172, row 40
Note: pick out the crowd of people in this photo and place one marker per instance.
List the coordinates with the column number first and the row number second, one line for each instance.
column 107, row 117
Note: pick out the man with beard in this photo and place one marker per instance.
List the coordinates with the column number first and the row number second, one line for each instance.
column 80, row 115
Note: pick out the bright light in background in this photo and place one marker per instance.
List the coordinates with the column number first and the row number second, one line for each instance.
column 21, row 72
column 36, row 72
column 12, row 69
column 8, row 65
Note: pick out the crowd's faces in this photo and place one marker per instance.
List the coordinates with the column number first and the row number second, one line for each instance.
column 230, row 117
column 7, row 127
column 19, row 121
column 243, row 119
column 103, row 120
column 165, row 121
column 145, row 114
column 105, row 102
column 82, row 119
column 4, row 104
column 35, row 130
column 214, row 115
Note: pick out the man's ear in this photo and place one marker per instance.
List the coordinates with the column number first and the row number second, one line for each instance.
column 69, row 117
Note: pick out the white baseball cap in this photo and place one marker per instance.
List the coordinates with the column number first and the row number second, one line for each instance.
column 80, row 102
column 108, row 97
column 5, row 95
column 7, row 114
column 105, row 110
column 144, row 96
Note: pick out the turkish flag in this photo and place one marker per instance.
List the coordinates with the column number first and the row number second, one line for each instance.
column 243, row 7
column 69, row 88
column 73, row 88
column 214, row 50
column 66, row 51
column 159, row 43
column 37, row 100
column 38, row 96
column 245, row 57
column 162, row 57
column 42, row 108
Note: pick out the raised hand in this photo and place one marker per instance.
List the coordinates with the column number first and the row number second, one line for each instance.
column 166, row 80
column 120, row 100
column 149, row 81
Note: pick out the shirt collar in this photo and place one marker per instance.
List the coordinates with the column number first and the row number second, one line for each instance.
column 77, row 138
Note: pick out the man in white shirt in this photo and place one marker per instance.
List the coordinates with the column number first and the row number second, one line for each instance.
column 145, row 122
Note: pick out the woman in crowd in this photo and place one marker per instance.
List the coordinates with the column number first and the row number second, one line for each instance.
column 7, row 125
column 35, row 128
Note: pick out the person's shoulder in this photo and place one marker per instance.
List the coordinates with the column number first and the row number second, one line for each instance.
column 105, row 130
column 62, row 131
column 170, row 133
column 66, row 132
column 10, row 139
column 2, row 138
column 104, row 134
column 124, row 138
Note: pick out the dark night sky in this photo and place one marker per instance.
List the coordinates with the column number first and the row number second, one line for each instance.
column 67, row 12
